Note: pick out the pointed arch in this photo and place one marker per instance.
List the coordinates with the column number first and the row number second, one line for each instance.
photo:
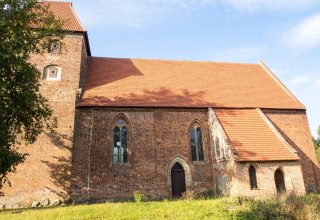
column 186, row 169
column 253, row 177
column 196, row 133
column 120, row 135
column 279, row 179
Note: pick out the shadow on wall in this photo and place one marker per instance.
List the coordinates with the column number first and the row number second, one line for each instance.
column 60, row 166
column 302, row 155
column 159, row 97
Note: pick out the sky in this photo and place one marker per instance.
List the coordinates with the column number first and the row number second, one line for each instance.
column 284, row 34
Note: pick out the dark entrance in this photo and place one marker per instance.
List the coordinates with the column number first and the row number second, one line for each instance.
column 279, row 179
column 178, row 181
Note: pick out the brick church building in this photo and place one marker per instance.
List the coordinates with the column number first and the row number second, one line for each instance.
column 161, row 127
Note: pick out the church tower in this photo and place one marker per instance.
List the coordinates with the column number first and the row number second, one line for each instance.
column 45, row 175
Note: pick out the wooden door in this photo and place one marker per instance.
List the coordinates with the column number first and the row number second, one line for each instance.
column 178, row 181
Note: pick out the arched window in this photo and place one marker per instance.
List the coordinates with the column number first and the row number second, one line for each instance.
column 279, row 181
column 54, row 47
column 253, row 177
column 120, row 141
column 196, row 142
column 217, row 146
column 52, row 72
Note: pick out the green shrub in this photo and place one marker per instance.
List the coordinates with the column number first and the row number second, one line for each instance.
column 288, row 206
column 138, row 197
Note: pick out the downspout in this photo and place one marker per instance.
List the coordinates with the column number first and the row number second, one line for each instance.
column 89, row 154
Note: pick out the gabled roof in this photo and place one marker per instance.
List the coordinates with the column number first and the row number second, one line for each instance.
column 253, row 136
column 64, row 11
column 165, row 83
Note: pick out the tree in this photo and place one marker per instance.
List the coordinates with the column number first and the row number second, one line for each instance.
column 316, row 142
column 26, row 27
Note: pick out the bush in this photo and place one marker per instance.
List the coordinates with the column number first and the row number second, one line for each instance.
column 286, row 207
column 188, row 195
column 138, row 197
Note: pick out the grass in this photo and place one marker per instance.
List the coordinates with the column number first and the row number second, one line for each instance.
column 218, row 208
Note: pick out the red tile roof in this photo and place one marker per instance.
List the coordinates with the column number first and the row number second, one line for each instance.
column 164, row 83
column 64, row 11
column 253, row 139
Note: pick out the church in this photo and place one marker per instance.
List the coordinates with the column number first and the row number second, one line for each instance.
column 160, row 127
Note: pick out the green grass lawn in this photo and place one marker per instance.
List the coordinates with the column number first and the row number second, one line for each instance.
column 292, row 207
column 181, row 209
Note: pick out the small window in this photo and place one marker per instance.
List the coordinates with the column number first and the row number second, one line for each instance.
column 54, row 47
column 253, row 177
column 52, row 72
column 196, row 142
column 120, row 141
column 217, row 146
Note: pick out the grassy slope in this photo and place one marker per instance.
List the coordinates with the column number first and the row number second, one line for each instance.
column 183, row 209
column 291, row 207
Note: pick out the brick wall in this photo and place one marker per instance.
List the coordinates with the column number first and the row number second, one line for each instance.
column 293, row 126
column 240, row 184
column 157, row 136
column 46, row 172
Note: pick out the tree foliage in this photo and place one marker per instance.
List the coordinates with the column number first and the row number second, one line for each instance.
column 26, row 27
column 316, row 142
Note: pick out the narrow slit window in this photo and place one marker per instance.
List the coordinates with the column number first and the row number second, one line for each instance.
column 253, row 177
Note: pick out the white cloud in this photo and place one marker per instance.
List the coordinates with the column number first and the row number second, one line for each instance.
column 251, row 54
column 139, row 13
column 305, row 81
column 305, row 34
column 298, row 80
column 318, row 83
column 254, row 5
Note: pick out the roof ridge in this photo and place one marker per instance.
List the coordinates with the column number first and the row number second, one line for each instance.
column 278, row 81
column 176, row 60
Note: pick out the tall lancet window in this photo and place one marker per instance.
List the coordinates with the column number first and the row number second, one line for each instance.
column 120, row 141
column 196, row 142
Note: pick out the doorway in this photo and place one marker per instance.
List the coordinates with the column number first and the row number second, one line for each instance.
column 279, row 180
column 178, row 181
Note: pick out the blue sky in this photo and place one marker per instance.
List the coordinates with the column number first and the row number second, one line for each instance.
column 285, row 34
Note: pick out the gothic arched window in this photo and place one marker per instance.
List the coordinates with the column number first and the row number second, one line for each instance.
column 253, row 177
column 120, row 141
column 217, row 146
column 196, row 142
column 54, row 46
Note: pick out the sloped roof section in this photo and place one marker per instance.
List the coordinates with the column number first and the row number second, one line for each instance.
column 164, row 83
column 252, row 137
column 63, row 11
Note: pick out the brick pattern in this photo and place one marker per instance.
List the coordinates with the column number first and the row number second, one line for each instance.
column 47, row 170
column 293, row 126
column 240, row 183
column 157, row 136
